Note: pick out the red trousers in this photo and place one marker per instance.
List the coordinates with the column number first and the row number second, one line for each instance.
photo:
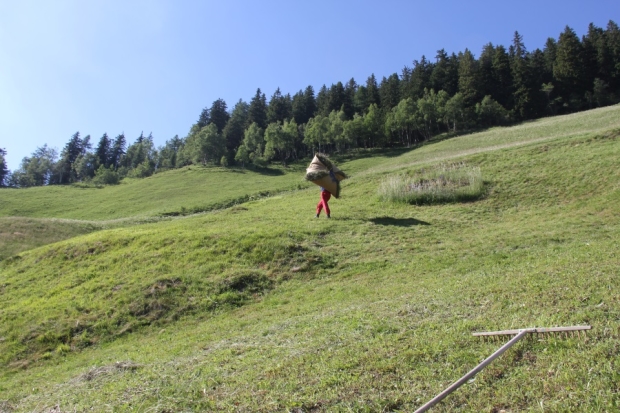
column 325, row 195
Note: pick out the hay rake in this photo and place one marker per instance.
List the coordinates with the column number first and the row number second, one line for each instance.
column 495, row 335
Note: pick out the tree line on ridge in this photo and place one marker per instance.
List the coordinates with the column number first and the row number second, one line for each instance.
column 454, row 93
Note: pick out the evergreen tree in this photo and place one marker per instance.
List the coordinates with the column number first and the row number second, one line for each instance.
column 502, row 77
column 360, row 101
column 219, row 114
column 118, row 151
column 4, row 171
column 522, row 89
column 612, row 42
column 103, row 152
column 279, row 108
column 470, row 85
column 445, row 73
column 539, row 77
column 235, row 128
column 420, row 79
column 549, row 52
column 76, row 147
column 204, row 119
column 336, row 97
column 568, row 69
column 322, row 101
column 488, row 81
column 257, row 112
column 372, row 92
column 310, row 103
column 389, row 91
column 298, row 107
column 349, row 95
column 592, row 43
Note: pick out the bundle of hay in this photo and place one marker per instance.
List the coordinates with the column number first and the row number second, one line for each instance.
column 324, row 173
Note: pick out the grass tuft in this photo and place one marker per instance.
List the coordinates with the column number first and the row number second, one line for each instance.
column 454, row 182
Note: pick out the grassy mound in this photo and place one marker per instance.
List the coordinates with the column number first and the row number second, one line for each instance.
column 372, row 310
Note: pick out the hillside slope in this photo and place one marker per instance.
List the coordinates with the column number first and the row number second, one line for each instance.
column 262, row 307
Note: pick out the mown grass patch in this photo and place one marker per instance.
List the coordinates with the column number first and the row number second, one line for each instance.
column 455, row 182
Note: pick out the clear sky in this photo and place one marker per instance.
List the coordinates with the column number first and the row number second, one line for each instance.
column 129, row 66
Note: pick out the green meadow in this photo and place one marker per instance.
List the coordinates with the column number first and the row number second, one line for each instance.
column 214, row 289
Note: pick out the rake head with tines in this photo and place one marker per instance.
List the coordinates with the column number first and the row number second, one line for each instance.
column 518, row 335
column 565, row 332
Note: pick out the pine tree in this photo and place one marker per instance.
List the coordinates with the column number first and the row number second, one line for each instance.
column 233, row 132
column 568, row 69
column 612, row 42
column 219, row 114
column 103, row 152
column 349, row 95
column 444, row 75
column 204, row 119
column 469, row 79
column 4, row 171
column 488, row 82
column 322, row 101
column 372, row 92
column 420, row 78
column 118, row 151
column 65, row 171
column 298, row 107
column 522, row 88
column 389, row 91
column 336, row 97
column 278, row 109
column 257, row 112
column 502, row 77
column 310, row 103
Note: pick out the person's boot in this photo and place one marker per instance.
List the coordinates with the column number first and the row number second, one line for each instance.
column 328, row 216
column 316, row 216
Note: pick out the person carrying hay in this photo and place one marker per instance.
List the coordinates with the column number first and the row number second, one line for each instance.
column 326, row 175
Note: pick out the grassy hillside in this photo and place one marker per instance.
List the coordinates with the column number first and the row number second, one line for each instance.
column 262, row 307
column 189, row 188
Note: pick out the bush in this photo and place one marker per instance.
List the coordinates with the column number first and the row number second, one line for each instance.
column 143, row 170
column 105, row 176
column 445, row 183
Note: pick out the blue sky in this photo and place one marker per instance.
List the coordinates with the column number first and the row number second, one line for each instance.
column 151, row 65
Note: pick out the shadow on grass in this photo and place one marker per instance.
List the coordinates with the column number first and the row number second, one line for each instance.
column 399, row 222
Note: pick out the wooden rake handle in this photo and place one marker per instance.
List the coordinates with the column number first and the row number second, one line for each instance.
column 519, row 335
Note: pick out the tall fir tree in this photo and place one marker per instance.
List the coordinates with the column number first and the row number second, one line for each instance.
column 257, row 112
column 233, row 132
column 420, row 79
column 568, row 69
column 219, row 114
column 279, row 108
column 103, row 152
column 204, row 119
column 336, row 97
column 322, row 101
column 118, row 151
column 470, row 85
column 444, row 75
column 389, row 90
column 4, row 170
column 522, row 88
column 372, row 92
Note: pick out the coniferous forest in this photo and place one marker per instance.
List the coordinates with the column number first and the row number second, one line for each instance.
column 447, row 93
